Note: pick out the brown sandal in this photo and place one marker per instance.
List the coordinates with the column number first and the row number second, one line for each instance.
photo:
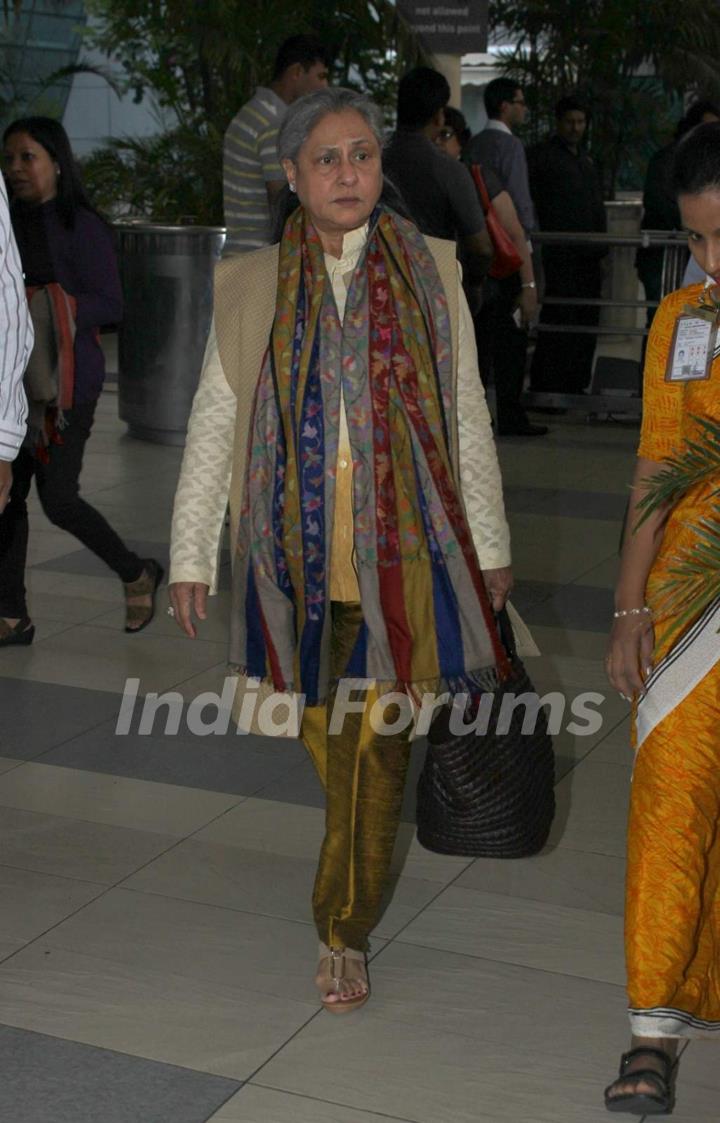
column 146, row 585
column 333, row 972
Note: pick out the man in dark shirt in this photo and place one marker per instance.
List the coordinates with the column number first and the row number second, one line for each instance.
column 499, row 334
column 438, row 191
column 567, row 194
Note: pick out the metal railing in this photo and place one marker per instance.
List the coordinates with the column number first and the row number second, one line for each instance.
column 608, row 401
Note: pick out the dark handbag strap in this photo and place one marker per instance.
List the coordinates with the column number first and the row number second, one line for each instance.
column 507, row 636
column 482, row 189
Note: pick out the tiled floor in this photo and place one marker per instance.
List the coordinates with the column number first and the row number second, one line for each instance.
column 156, row 944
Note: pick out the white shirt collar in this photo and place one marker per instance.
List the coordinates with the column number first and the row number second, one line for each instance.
column 353, row 245
column 500, row 126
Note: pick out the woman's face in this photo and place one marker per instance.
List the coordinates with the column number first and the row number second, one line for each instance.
column 701, row 218
column 338, row 174
column 447, row 139
column 30, row 169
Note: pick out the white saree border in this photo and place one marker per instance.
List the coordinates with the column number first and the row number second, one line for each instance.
column 679, row 672
column 665, row 1021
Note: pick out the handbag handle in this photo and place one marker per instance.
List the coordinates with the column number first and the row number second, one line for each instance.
column 505, row 631
column 482, row 189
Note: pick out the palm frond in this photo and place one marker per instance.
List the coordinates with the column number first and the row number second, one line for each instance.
column 698, row 463
column 693, row 581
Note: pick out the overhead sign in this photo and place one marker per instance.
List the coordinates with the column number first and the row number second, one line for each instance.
column 446, row 28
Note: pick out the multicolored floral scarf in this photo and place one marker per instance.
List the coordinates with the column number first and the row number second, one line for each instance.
column 50, row 374
column 427, row 619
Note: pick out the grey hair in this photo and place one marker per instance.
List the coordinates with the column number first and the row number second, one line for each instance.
column 307, row 112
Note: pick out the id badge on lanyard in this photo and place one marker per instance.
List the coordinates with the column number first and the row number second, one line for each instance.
column 693, row 343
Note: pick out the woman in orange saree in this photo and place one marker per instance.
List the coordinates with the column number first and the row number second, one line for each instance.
column 672, row 673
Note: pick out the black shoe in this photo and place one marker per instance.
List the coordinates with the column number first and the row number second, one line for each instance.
column 523, row 429
column 659, row 1101
column 17, row 635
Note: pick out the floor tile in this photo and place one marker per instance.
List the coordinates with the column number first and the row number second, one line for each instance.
column 574, row 546
column 212, row 679
column 566, row 640
column 578, row 606
column 592, row 808
column 102, row 660
column 297, row 831
column 6, row 763
column 604, row 575
column 564, row 503
column 85, row 563
column 217, row 1028
column 68, row 590
column 254, row 1104
column 9, row 947
column 615, row 748
column 549, row 937
column 25, row 706
column 35, row 902
column 465, row 994
column 229, row 763
column 301, row 787
column 260, row 954
column 46, row 1080
column 69, row 848
column 414, row 1072
column 556, row 877
column 114, row 800
column 270, row 884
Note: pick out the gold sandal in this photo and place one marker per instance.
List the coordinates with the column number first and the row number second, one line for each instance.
column 332, row 973
column 146, row 585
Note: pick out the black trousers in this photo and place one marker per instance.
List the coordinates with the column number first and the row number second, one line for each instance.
column 563, row 360
column 59, row 491
column 502, row 348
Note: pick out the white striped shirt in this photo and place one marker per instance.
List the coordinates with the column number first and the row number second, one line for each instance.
column 16, row 338
column 250, row 160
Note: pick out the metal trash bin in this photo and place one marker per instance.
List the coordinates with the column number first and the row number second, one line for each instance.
column 167, row 278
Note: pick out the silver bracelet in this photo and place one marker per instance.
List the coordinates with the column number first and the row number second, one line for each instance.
column 632, row 612
column 528, row 285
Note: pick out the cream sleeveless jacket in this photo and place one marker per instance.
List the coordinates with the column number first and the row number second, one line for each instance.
column 213, row 467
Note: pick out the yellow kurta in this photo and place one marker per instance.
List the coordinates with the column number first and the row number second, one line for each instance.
column 673, row 891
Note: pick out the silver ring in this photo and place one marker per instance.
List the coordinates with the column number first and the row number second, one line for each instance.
column 171, row 611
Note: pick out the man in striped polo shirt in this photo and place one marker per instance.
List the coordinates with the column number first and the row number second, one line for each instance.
column 252, row 175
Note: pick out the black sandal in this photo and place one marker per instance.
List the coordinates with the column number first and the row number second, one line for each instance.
column 660, row 1102
column 20, row 634
column 146, row 585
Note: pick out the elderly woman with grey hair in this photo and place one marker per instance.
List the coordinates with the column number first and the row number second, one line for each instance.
column 369, row 540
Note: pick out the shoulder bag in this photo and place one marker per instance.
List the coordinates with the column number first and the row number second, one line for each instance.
column 506, row 259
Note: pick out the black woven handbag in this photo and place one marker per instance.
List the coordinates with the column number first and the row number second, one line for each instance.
column 489, row 794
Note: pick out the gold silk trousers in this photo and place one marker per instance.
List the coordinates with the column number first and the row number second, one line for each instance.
column 363, row 773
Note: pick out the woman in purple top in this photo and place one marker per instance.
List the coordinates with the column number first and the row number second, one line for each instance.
column 68, row 257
